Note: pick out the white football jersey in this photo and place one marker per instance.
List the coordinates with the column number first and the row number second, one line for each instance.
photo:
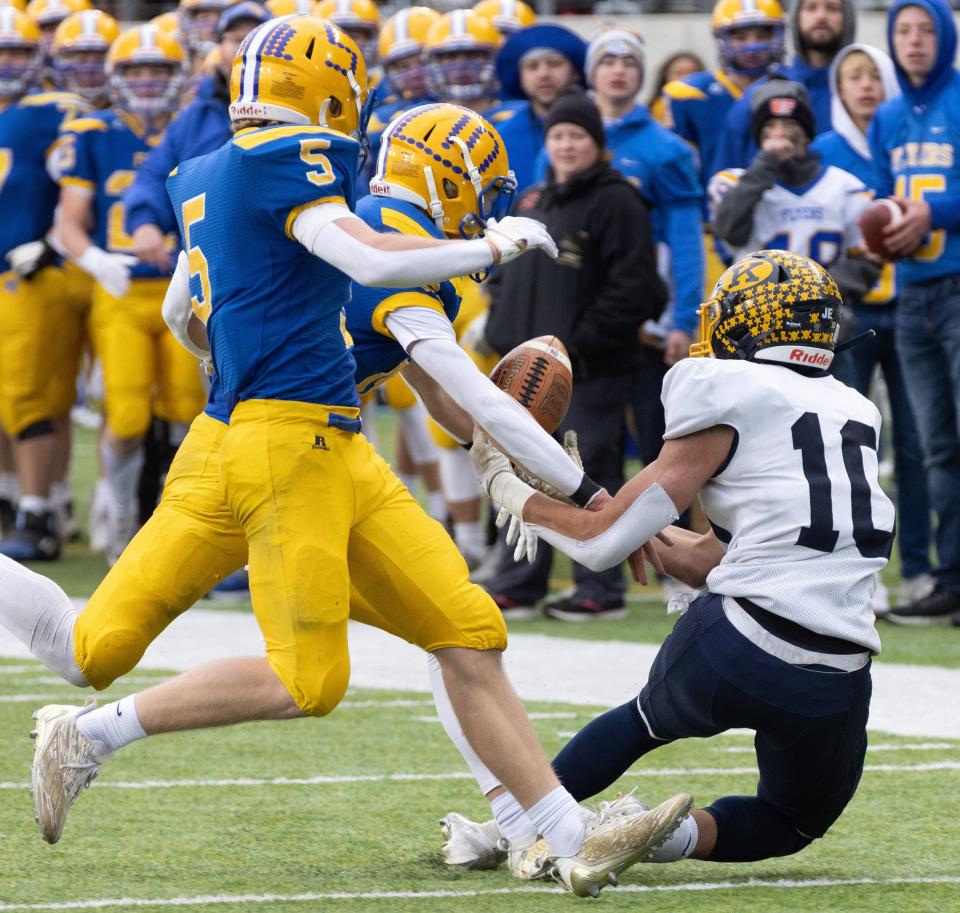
column 818, row 221
column 799, row 502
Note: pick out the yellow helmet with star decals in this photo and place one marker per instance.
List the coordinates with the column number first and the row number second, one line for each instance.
column 360, row 19
column 448, row 161
column 19, row 31
column 79, row 52
column 507, row 16
column 299, row 70
column 461, row 50
column 772, row 306
column 156, row 92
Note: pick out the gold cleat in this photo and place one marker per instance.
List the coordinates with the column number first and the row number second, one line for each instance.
column 65, row 762
column 613, row 844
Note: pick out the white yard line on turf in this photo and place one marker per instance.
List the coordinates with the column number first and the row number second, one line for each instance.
column 907, row 700
column 216, row 899
column 908, row 746
column 463, row 775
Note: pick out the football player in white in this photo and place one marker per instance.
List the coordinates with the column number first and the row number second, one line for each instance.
column 781, row 636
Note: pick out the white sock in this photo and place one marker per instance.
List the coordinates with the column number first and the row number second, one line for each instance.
column 9, row 487
column 437, row 506
column 470, row 537
column 115, row 724
column 513, row 821
column 122, row 474
column 34, row 504
column 457, row 474
column 60, row 493
column 485, row 779
column 680, row 844
column 557, row 819
column 409, row 480
column 38, row 613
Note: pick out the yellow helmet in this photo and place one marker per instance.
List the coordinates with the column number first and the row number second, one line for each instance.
column 751, row 59
column 279, row 8
column 48, row 14
column 772, row 306
column 461, row 49
column 17, row 30
column 79, row 53
column 168, row 22
column 448, row 161
column 360, row 19
column 507, row 16
column 299, row 70
column 145, row 45
column 16, row 4
column 401, row 49
column 198, row 23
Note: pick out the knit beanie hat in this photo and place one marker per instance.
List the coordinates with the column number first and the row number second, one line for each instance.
column 576, row 107
column 616, row 43
column 781, row 98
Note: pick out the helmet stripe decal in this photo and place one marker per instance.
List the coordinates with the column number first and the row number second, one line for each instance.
column 250, row 69
column 400, row 30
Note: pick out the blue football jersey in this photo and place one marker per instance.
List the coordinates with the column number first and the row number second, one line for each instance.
column 28, row 194
column 697, row 106
column 101, row 153
column 378, row 355
column 272, row 308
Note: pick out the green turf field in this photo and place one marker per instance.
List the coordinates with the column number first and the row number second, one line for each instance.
column 341, row 814
column 202, row 816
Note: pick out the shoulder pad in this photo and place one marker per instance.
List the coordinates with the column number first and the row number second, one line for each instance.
column 682, row 91
column 84, row 125
column 43, row 99
column 257, row 139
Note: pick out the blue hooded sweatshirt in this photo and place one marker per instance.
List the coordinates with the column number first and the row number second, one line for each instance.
column 204, row 125
column 915, row 141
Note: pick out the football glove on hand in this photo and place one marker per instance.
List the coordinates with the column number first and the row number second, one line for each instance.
column 513, row 235
column 112, row 271
column 497, row 477
column 572, row 451
column 26, row 260
column 520, row 535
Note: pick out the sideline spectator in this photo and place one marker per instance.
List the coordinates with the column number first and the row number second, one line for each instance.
column 861, row 77
column 594, row 298
column 535, row 67
column 677, row 66
column 820, row 29
column 914, row 140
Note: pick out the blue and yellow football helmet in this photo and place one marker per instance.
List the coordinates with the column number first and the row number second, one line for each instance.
column 400, row 49
column 507, row 16
column 360, row 19
column 451, row 163
column 155, row 94
column 198, row 23
column 79, row 51
column 751, row 59
column 17, row 30
column 461, row 50
column 772, row 306
column 299, row 70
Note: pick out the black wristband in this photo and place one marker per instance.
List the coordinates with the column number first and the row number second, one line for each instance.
column 588, row 488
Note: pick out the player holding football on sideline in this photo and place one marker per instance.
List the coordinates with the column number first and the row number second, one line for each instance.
column 30, row 403
column 304, row 177
column 784, row 458
column 145, row 372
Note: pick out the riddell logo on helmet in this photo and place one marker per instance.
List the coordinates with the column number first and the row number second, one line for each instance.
column 248, row 109
column 820, row 359
column 379, row 189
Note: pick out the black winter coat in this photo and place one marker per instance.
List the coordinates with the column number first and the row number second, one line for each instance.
column 601, row 289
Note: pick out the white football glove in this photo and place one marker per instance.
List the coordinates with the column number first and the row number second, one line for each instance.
column 177, row 311
column 112, row 271
column 26, row 259
column 497, row 477
column 519, row 535
column 513, row 235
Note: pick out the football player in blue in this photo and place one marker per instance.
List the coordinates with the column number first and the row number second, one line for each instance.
column 820, row 28
column 32, row 286
column 915, row 142
column 287, row 382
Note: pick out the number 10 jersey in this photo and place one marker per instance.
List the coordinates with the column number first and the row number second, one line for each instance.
column 798, row 502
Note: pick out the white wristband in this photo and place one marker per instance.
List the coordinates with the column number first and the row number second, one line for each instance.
column 510, row 492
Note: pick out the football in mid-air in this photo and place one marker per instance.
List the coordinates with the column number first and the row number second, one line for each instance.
column 537, row 375
column 877, row 216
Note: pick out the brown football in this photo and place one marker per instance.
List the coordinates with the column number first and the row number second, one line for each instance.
column 537, row 375
column 877, row 216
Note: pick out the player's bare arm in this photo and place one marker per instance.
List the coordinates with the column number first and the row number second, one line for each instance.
column 440, row 404
column 688, row 556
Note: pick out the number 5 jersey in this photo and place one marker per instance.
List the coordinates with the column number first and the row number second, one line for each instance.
column 798, row 502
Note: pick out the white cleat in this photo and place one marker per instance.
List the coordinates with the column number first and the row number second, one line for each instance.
column 469, row 844
column 614, row 844
column 65, row 762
